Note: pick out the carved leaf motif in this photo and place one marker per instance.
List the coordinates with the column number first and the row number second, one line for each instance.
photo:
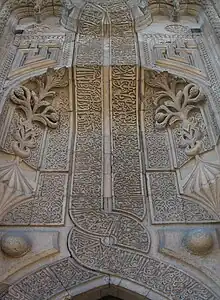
column 157, row 80
column 174, row 103
column 14, row 187
column 176, row 106
column 191, row 137
column 24, row 139
column 22, row 97
column 204, row 184
column 53, row 79
column 36, row 106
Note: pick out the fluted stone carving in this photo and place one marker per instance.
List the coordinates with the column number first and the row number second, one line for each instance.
column 203, row 184
column 15, row 188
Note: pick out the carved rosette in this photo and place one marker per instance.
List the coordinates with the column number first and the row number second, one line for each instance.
column 32, row 106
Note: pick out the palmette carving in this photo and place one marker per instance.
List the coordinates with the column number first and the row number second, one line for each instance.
column 175, row 99
column 15, row 188
column 203, row 184
column 191, row 137
column 177, row 105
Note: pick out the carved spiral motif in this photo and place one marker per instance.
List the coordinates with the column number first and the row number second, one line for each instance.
column 198, row 241
column 15, row 244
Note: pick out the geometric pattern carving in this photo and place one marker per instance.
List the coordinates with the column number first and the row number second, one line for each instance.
column 179, row 54
column 35, row 53
column 40, row 46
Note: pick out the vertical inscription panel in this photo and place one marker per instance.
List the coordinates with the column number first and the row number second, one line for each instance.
column 86, row 191
column 128, row 193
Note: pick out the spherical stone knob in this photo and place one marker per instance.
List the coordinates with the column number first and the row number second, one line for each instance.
column 198, row 241
column 15, row 244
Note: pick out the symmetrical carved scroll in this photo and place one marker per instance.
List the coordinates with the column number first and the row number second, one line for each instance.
column 174, row 100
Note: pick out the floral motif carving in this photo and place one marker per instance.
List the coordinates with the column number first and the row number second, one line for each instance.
column 35, row 107
column 175, row 99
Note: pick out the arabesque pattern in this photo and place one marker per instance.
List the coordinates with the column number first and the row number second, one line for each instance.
column 115, row 148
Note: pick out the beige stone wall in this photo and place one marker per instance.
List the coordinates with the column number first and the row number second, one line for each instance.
column 109, row 150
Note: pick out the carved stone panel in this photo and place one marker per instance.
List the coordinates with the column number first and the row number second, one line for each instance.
column 178, row 112
column 119, row 152
column 40, row 46
column 32, row 189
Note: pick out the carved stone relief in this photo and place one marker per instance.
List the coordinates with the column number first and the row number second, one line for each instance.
column 40, row 46
column 174, row 100
column 198, row 247
column 18, row 249
column 176, row 52
column 31, row 115
column 108, row 220
column 124, row 146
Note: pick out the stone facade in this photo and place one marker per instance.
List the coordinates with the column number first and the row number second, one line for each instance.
column 109, row 150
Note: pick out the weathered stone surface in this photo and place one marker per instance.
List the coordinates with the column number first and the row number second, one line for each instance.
column 21, row 248
column 198, row 241
column 198, row 247
column 15, row 244
column 116, row 143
